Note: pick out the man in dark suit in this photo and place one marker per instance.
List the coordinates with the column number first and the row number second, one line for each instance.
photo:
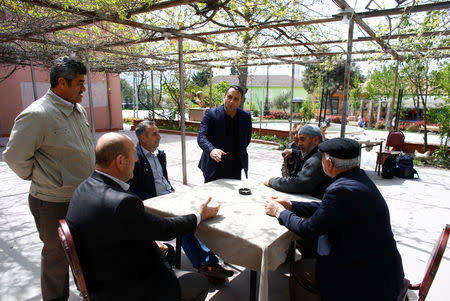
column 150, row 173
column 115, row 236
column 224, row 134
column 150, row 180
column 357, row 254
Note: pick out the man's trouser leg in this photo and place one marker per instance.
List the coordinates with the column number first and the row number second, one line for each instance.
column 54, row 266
column 194, row 286
column 197, row 252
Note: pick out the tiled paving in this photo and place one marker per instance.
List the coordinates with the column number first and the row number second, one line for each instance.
column 419, row 210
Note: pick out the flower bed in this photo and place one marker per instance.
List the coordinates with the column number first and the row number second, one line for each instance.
column 282, row 115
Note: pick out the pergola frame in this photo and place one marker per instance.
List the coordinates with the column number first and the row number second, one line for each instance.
column 85, row 17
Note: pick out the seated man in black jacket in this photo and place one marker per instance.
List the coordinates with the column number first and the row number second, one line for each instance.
column 150, row 179
column 310, row 179
column 115, row 236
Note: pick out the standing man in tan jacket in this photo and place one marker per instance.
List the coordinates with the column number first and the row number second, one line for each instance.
column 51, row 145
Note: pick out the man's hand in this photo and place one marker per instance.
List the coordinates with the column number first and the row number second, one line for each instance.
column 266, row 182
column 286, row 153
column 272, row 208
column 162, row 247
column 216, row 154
column 206, row 211
column 283, row 202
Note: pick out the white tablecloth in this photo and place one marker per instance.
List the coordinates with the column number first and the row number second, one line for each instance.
column 241, row 233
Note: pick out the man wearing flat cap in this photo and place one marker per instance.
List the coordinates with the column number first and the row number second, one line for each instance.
column 310, row 178
column 357, row 254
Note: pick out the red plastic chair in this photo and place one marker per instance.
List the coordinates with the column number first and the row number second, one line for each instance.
column 72, row 257
column 394, row 146
column 432, row 266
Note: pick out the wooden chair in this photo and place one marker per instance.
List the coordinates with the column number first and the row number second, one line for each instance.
column 432, row 266
column 72, row 257
column 393, row 146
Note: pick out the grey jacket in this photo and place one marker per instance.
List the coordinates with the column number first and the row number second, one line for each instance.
column 51, row 145
column 309, row 180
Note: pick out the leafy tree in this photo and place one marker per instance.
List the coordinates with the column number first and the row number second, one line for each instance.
column 307, row 110
column 418, row 76
column 330, row 75
column 219, row 92
column 380, row 83
column 241, row 14
column 127, row 93
column 419, row 60
column 355, row 94
column 441, row 115
column 201, row 78
column 282, row 101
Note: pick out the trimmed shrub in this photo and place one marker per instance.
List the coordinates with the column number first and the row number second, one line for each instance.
column 412, row 127
column 381, row 124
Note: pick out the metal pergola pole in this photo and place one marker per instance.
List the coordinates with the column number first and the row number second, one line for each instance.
column 153, row 95
column 108, row 96
column 91, row 103
column 135, row 95
column 182, row 125
column 33, row 80
column 348, row 66
column 292, row 103
column 210, row 88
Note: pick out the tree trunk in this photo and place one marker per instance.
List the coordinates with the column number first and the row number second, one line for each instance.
column 361, row 108
column 380, row 105
column 389, row 115
column 425, row 119
column 243, row 74
column 370, row 113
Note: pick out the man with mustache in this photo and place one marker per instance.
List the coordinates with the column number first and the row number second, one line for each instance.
column 51, row 145
column 310, row 179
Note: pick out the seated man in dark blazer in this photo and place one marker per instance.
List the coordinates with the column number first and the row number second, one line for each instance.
column 357, row 254
column 115, row 236
column 224, row 134
column 310, row 178
column 150, row 180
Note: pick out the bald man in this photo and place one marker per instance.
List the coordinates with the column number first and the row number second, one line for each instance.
column 115, row 236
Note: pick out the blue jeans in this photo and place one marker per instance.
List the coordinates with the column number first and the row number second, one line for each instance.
column 197, row 252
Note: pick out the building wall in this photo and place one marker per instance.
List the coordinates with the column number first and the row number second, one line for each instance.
column 16, row 93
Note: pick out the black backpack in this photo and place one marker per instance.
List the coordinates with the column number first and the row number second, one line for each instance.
column 388, row 168
column 405, row 167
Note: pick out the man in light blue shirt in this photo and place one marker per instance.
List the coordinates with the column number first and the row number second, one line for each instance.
column 150, row 180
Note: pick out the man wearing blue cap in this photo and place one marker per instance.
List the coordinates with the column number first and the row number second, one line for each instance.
column 357, row 254
column 310, row 179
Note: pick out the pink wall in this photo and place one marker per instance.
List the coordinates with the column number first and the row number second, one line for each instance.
column 16, row 93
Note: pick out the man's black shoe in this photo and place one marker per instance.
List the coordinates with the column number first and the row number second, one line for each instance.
column 215, row 270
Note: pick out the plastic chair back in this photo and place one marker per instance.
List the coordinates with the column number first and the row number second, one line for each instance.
column 72, row 257
column 395, row 141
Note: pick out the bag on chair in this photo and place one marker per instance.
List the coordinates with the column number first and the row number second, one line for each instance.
column 388, row 168
column 302, row 282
